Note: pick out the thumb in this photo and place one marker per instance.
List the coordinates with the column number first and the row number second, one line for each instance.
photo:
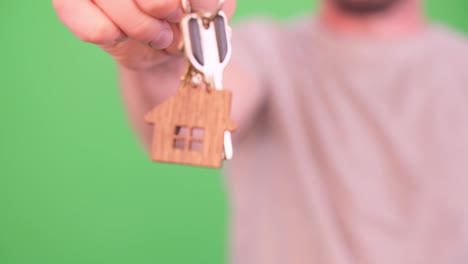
column 229, row 6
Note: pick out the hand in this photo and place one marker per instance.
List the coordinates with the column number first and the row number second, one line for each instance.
column 138, row 34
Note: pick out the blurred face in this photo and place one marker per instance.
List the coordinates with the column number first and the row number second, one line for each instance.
column 365, row 7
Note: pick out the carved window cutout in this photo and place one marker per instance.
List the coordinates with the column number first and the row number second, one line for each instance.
column 196, row 139
column 188, row 138
column 181, row 131
column 181, row 134
column 196, row 146
column 197, row 133
column 179, row 143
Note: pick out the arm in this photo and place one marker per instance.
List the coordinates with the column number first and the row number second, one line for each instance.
column 142, row 36
column 143, row 90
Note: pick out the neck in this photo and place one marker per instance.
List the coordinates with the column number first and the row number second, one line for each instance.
column 401, row 20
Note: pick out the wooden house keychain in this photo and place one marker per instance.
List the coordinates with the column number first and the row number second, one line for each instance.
column 194, row 127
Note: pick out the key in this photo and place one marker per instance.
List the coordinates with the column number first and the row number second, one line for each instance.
column 207, row 45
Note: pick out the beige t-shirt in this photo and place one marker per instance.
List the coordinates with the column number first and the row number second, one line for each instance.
column 359, row 153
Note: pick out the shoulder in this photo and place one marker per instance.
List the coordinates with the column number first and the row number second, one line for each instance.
column 450, row 35
column 445, row 53
column 266, row 43
column 262, row 25
column 450, row 53
column 451, row 42
column 271, row 39
column 255, row 30
column 267, row 30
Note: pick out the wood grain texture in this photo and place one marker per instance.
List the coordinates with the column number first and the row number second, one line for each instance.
column 191, row 109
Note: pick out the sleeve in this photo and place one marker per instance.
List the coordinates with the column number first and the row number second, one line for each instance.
column 254, row 51
column 255, row 46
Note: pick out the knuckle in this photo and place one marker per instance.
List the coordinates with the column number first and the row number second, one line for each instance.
column 99, row 34
column 140, row 29
column 158, row 6
column 204, row 4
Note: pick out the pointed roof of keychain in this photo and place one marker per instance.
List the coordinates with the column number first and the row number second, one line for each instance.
column 196, row 107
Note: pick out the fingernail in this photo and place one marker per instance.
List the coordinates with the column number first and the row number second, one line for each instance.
column 163, row 40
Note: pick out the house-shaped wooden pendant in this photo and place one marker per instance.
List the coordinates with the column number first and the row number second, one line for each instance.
column 189, row 127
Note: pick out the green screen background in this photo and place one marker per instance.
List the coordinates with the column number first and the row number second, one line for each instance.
column 75, row 187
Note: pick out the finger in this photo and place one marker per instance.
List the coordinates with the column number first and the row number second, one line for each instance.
column 174, row 48
column 211, row 5
column 137, row 24
column 172, row 11
column 162, row 9
column 97, row 28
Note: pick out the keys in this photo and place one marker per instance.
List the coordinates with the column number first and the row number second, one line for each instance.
column 207, row 45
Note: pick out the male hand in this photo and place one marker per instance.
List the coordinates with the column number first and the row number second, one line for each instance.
column 138, row 34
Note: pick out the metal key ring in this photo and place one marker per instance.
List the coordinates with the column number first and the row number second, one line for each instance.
column 187, row 7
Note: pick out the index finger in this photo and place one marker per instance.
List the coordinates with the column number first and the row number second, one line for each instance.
column 172, row 10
